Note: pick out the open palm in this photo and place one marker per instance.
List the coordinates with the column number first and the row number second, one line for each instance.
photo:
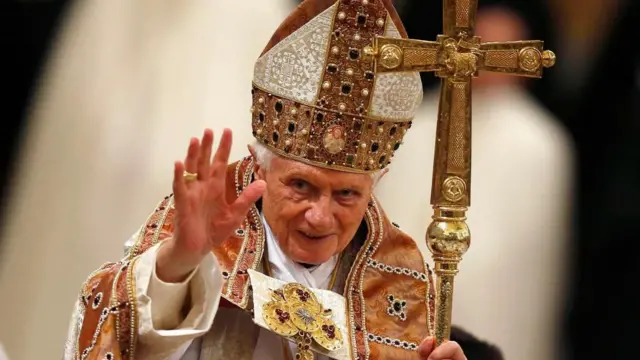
column 204, row 215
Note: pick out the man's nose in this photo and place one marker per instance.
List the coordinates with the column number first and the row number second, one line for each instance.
column 319, row 214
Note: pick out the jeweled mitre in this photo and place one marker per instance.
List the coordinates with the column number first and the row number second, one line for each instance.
column 316, row 95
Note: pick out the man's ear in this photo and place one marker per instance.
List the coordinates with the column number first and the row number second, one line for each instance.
column 258, row 170
column 383, row 172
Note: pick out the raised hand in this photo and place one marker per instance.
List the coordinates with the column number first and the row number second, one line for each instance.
column 204, row 216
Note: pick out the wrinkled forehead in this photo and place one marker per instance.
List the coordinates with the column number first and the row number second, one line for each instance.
column 290, row 168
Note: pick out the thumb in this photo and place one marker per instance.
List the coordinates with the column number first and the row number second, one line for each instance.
column 248, row 197
column 427, row 347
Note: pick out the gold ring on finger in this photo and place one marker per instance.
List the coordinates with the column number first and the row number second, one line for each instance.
column 190, row 176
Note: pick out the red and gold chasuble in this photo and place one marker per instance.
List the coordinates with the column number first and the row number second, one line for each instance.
column 387, row 287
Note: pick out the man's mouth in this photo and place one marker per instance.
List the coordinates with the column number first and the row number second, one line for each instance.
column 313, row 236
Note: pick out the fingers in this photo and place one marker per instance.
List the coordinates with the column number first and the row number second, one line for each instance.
column 248, row 197
column 426, row 347
column 191, row 161
column 221, row 158
column 449, row 350
column 179, row 186
column 204, row 158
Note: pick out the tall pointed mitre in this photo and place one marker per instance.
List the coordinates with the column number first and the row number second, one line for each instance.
column 316, row 95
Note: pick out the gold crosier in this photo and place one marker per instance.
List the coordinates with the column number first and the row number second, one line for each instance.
column 456, row 57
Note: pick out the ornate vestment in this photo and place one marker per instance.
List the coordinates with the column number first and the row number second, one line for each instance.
column 317, row 98
column 386, row 263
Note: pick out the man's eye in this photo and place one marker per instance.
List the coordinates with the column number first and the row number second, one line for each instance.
column 345, row 193
column 300, row 185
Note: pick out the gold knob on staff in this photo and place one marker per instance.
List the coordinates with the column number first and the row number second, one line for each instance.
column 448, row 238
column 548, row 58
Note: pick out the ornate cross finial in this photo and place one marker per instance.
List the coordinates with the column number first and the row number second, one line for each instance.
column 456, row 57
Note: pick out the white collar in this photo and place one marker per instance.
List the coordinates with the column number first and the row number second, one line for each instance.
column 287, row 270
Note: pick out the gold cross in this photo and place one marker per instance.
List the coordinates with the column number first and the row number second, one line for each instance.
column 456, row 57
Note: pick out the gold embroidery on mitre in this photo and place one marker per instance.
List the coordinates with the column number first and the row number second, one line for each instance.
column 295, row 312
column 317, row 98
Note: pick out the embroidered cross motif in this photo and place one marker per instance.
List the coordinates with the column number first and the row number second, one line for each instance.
column 305, row 316
column 397, row 307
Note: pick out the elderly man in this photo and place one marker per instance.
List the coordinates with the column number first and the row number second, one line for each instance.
column 285, row 254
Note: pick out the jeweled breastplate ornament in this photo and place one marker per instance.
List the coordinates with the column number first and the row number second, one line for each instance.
column 296, row 313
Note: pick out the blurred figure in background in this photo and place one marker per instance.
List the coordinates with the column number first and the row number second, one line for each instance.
column 510, row 285
column 126, row 82
column 3, row 355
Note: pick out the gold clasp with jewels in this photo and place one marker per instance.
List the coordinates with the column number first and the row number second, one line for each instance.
column 295, row 312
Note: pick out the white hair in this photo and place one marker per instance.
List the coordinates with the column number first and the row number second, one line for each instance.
column 264, row 156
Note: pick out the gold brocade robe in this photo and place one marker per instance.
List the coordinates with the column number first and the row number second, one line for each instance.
column 385, row 263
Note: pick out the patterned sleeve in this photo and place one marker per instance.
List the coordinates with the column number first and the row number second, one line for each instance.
column 70, row 346
column 128, row 245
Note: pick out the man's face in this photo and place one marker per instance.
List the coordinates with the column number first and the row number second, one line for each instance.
column 313, row 212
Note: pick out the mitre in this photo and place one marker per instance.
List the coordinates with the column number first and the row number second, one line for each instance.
column 317, row 97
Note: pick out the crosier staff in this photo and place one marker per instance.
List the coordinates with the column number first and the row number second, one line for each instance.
column 456, row 57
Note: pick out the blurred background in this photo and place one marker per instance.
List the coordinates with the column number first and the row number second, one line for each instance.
column 102, row 96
